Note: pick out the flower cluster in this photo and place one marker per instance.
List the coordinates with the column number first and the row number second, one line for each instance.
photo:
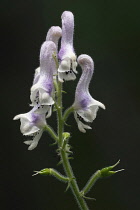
column 57, row 66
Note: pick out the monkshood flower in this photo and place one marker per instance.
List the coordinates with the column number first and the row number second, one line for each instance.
column 84, row 105
column 32, row 125
column 42, row 89
column 66, row 55
column 54, row 34
column 41, row 108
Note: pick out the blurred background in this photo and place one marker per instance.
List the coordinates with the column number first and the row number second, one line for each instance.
column 109, row 31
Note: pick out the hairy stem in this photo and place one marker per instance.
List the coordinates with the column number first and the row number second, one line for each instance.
column 64, row 156
column 67, row 113
column 51, row 132
column 91, row 182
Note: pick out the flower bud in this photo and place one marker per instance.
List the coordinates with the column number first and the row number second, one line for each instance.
column 53, row 172
column 105, row 172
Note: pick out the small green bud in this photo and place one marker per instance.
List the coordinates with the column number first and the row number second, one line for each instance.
column 65, row 146
column 45, row 171
column 53, row 172
column 105, row 172
column 66, row 135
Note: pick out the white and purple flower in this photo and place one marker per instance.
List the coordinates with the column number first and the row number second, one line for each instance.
column 54, row 34
column 66, row 55
column 84, row 105
column 32, row 125
column 42, row 89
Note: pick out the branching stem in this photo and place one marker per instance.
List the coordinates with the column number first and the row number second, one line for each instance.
column 64, row 156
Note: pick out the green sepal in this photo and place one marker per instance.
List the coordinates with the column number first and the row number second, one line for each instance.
column 106, row 172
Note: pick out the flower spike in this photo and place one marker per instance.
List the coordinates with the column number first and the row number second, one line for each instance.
column 42, row 91
column 85, row 106
column 32, row 124
column 66, row 55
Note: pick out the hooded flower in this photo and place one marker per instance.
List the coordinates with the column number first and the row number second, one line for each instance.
column 32, row 124
column 66, row 55
column 42, row 89
column 54, row 34
column 84, row 105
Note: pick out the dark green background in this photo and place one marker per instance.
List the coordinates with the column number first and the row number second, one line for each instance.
column 109, row 31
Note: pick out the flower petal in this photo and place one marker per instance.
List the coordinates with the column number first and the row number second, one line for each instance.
column 81, row 126
column 31, row 122
column 67, row 76
column 33, row 143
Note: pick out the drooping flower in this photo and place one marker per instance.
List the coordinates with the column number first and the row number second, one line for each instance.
column 84, row 105
column 42, row 89
column 32, row 125
column 67, row 56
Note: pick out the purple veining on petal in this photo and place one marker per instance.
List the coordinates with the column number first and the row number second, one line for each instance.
column 49, row 87
column 34, row 118
column 47, row 84
column 84, row 103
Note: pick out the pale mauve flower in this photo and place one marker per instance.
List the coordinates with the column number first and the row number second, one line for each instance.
column 84, row 105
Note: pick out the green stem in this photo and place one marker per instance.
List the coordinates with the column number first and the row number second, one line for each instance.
column 51, row 132
column 73, row 184
column 67, row 113
column 59, row 113
column 91, row 182
column 64, row 157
